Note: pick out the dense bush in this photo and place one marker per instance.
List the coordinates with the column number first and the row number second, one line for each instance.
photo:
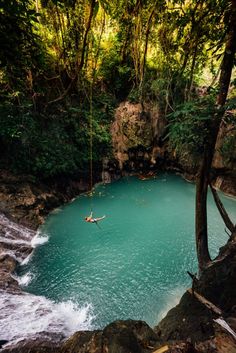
column 190, row 125
column 49, row 145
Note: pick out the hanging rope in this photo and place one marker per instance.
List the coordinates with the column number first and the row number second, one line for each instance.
column 91, row 144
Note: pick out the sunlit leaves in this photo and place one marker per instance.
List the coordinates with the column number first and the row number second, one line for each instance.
column 141, row 50
column 190, row 125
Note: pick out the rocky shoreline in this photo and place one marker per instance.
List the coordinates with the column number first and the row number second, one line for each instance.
column 190, row 327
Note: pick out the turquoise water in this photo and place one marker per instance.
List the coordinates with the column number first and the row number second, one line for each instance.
column 134, row 265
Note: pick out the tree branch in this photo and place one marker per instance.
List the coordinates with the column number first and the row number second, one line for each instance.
column 229, row 224
column 65, row 92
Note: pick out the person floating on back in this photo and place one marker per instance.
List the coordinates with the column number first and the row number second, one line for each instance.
column 90, row 218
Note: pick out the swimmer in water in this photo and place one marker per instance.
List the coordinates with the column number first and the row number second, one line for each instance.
column 90, row 218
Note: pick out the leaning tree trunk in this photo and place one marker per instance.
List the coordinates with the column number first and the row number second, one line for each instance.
column 203, row 177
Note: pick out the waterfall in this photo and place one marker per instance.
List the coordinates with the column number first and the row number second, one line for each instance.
column 27, row 316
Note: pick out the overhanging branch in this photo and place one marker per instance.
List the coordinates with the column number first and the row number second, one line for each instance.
column 229, row 224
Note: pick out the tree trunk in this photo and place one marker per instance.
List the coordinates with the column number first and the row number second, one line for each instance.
column 81, row 63
column 203, row 177
column 88, row 26
column 143, row 63
column 192, row 70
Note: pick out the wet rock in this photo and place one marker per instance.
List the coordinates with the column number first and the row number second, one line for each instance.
column 7, row 263
column 8, row 283
column 106, row 177
column 110, row 171
column 222, row 342
column 118, row 337
column 192, row 320
column 7, row 267
column 2, row 342
column 15, row 246
column 217, row 282
column 133, row 130
column 27, row 201
column 33, row 346
column 128, row 336
column 227, row 184
column 182, row 347
column 188, row 320
column 83, row 342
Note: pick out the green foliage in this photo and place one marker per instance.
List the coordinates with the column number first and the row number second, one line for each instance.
column 117, row 75
column 52, row 145
column 228, row 149
column 54, row 51
column 20, row 47
column 190, row 125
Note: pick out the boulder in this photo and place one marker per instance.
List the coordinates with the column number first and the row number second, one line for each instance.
column 118, row 337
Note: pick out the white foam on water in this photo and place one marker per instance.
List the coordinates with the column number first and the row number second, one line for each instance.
column 28, row 316
column 25, row 279
column 75, row 318
column 26, row 260
column 56, row 210
column 39, row 239
column 172, row 299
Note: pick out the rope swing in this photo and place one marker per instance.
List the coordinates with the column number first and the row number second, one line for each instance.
column 91, row 144
column 90, row 218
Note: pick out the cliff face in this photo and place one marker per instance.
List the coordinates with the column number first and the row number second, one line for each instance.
column 134, row 131
column 139, row 145
column 27, row 201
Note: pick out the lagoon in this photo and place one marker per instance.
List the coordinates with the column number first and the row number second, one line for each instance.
column 134, row 264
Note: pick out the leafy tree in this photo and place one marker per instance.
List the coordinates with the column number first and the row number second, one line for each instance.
column 60, row 57
column 195, row 127
column 204, row 177
column 21, row 55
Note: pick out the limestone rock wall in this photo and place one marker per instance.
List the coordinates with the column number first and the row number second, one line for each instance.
column 139, row 145
column 28, row 201
column 134, row 131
